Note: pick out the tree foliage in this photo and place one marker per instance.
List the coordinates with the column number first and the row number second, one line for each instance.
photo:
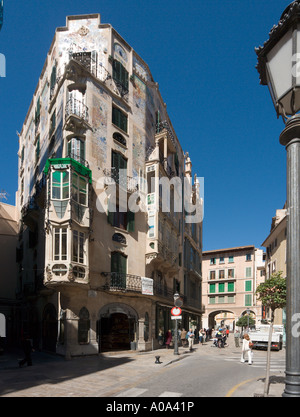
column 243, row 321
column 272, row 292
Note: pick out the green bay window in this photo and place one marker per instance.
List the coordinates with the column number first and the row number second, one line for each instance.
column 230, row 287
column 79, row 189
column 60, row 185
column 221, row 287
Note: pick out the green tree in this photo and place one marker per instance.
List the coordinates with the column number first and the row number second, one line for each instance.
column 272, row 294
column 243, row 321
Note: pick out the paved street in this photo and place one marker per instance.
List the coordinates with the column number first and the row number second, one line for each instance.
column 208, row 371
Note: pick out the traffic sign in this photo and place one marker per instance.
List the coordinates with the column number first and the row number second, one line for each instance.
column 176, row 311
column 176, row 317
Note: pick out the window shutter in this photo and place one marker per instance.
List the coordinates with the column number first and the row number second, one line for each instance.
column 53, row 77
column 130, row 221
column 94, row 62
column 212, row 288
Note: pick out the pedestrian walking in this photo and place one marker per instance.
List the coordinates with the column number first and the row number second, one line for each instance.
column 227, row 332
column 201, row 336
column 168, row 338
column 237, row 338
column 246, row 349
column 191, row 339
column 27, row 348
column 183, row 337
column 206, row 335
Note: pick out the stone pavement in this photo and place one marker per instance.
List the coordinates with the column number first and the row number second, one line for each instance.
column 102, row 376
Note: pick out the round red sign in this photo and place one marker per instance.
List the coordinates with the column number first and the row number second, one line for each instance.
column 176, row 311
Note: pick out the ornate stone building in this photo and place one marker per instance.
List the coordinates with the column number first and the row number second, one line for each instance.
column 103, row 249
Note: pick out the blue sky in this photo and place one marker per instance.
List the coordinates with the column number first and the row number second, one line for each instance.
column 202, row 55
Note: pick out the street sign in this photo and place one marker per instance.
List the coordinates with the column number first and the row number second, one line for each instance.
column 176, row 311
column 178, row 302
column 176, row 317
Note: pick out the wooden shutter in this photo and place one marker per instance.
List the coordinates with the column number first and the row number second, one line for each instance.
column 130, row 221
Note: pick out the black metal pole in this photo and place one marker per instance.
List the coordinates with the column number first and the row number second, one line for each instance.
column 176, row 338
column 290, row 138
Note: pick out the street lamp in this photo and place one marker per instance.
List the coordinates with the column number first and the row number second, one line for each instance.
column 248, row 314
column 178, row 303
column 278, row 66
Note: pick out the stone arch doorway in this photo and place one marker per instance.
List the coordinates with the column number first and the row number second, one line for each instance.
column 49, row 328
column 116, row 327
column 222, row 318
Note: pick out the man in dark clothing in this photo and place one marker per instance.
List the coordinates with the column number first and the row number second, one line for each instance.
column 27, row 347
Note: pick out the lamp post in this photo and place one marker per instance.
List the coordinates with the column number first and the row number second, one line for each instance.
column 178, row 303
column 278, row 66
column 248, row 314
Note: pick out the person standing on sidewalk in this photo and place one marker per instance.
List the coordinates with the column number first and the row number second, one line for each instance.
column 168, row 338
column 191, row 339
column 183, row 337
column 237, row 338
column 246, row 349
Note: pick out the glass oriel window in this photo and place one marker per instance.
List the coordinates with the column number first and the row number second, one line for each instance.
column 79, row 189
column 78, row 247
column 60, row 185
column 60, row 243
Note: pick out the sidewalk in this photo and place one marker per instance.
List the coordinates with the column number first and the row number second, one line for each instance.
column 53, row 375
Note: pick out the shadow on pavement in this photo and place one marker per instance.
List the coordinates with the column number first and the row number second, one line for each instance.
column 50, row 369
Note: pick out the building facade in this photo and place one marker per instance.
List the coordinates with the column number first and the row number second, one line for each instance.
column 230, row 278
column 100, row 173
column 275, row 245
column 9, row 304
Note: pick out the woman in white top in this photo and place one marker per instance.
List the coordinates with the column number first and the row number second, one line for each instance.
column 246, row 349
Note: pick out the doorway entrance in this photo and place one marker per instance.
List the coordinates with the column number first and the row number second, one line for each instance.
column 116, row 327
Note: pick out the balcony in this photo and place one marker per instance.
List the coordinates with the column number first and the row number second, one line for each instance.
column 78, row 158
column 164, row 126
column 115, row 281
column 89, row 61
column 77, row 108
column 124, row 181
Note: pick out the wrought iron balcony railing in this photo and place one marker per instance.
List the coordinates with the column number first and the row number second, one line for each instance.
column 122, row 282
column 78, row 158
column 115, row 281
column 165, row 125
column 77, row 108
column 127, row 183
column 89, row 62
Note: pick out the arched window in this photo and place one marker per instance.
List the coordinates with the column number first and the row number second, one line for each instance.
column 119, row 138
column 83, row 326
